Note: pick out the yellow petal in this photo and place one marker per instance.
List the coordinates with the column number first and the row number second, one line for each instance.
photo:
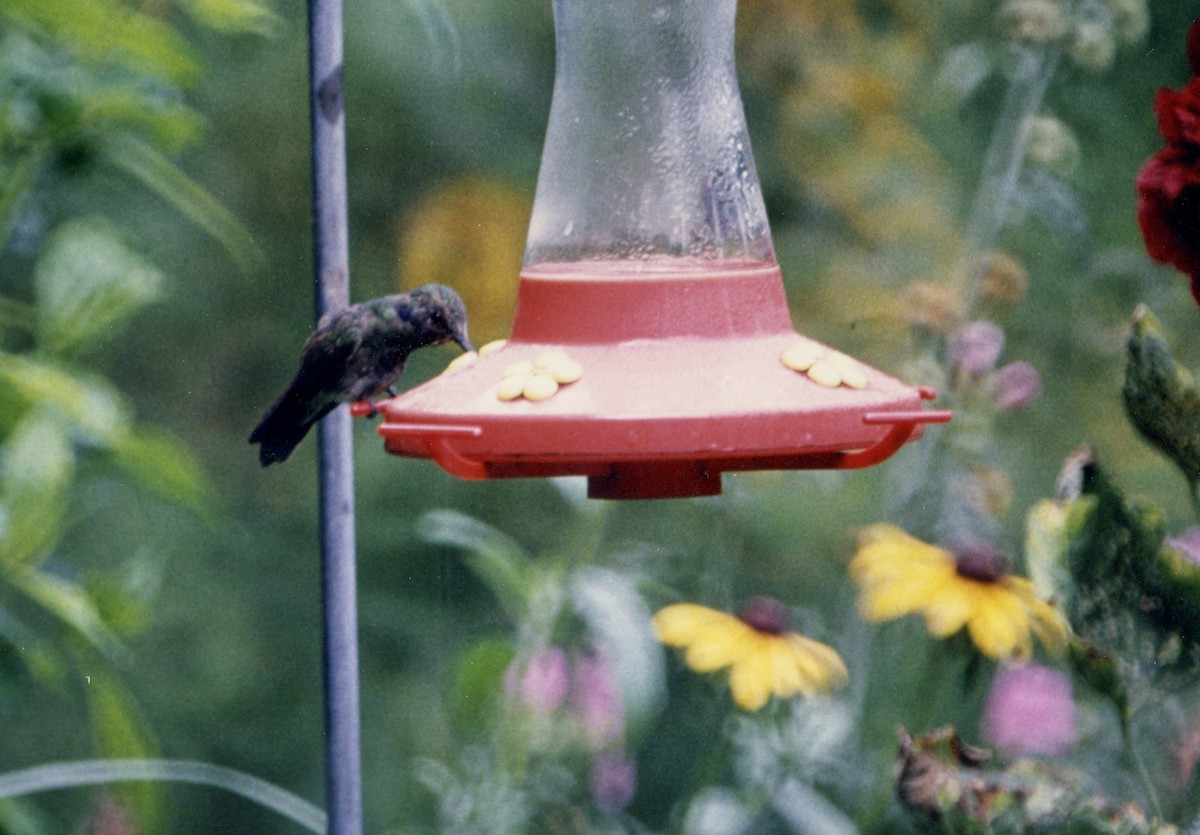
column 885, row 548
column 999, row 626
column 682, row 623
column 721, row 647
column 949, row 608
column 820, row 667
column 750, row 680
column 787, row 667
column 901, row 595
column 1047, row 621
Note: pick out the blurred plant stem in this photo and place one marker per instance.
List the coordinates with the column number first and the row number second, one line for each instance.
column 1125, row 711
column 963, row 443
column 1005, row 158
column 64, row 775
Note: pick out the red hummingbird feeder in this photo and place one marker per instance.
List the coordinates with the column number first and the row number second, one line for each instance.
column 652, row 347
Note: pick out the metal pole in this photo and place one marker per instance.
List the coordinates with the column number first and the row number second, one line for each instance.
column 343, row 778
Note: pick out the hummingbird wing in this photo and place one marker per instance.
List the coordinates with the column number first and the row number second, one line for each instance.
column 314, row 392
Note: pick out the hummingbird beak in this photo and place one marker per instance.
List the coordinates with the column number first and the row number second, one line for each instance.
column 460, row 336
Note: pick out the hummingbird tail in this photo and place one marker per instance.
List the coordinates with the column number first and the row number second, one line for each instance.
column 283, row 427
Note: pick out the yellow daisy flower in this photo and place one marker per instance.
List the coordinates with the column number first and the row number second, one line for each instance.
column 899, row 575
column 764, row 658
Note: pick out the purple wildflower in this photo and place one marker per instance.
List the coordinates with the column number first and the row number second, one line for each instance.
column 1015, row 386
column 1030, row 710
column 613, row 781
column 975, row 348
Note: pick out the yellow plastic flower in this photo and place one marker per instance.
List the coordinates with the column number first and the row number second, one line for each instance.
column 764, row 658
column 900, row 575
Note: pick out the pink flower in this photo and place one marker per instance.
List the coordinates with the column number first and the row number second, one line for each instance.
column 1187, row 543
column 596, row 700
column 542, row 685
column 1030, row 710
column 975, row 347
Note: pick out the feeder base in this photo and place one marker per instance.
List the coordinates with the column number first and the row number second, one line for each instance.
column 692, row 386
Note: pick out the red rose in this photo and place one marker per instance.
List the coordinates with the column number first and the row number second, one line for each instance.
column 1168, row 186
column 1179, row 114
column 1168, row 209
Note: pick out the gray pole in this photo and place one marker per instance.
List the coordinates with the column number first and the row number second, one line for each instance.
column 343, row 780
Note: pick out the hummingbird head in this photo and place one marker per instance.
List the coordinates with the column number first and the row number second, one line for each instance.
column 444, row 315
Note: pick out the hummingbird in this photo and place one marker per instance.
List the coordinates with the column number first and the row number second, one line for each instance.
column 354, row 354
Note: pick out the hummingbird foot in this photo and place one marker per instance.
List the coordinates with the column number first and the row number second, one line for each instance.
column 364, row 409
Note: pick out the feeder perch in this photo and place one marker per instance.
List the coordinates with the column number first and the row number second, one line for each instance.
column 651, row 347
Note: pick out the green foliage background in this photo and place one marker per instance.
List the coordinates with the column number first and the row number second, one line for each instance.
column 180, row 581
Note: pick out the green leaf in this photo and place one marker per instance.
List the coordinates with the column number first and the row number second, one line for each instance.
column 89, row 282
column 124, row 596
column 38, row 468
column 162, row 463
column 479, row 683
column 92, row 409
column 169, row 182
column 234, row 16
column 20, row 818
column 88, row 402
column 619, row 621
column 109, row 32
column 1161, row 396
column 69, row 603
column 17, row 181
column 496, row 559
column 1047, row 549
column 1134, row 601
column 172, row 124
column 37, row 654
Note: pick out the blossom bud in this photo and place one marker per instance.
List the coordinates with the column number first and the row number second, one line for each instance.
column 1004, row 279
column 613, row 781
column 1130, row 20
column 934, row 307
column 1030, row 710
column 1015, row 386
column 596, row 700
column 975, row 347
column 1050, row 143
column 1035, row 21
column 1093, row 47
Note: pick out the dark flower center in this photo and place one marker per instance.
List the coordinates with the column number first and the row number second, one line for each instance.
column 765, row 614
column 979, row 560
